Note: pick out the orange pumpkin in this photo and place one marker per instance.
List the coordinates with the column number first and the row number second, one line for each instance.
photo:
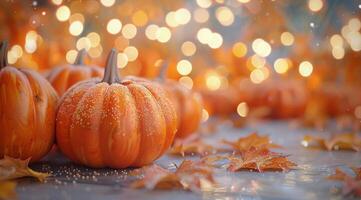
column 27, row 112
column 63, row 77
column 188, row 105
column 283, row 98
column 115, row 122
column 221, row 102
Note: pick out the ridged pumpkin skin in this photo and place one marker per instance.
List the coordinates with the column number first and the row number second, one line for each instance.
column 284, row 98
column 27, row 113
column 115, row 123
column 63, row 77
column 188, row 105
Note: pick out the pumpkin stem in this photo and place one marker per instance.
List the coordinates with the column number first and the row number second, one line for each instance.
column 80, row 57
column 3, row 54
column 163, row 71
column 111, row 74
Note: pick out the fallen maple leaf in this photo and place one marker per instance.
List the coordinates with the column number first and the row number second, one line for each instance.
column 260, row 160
column 346, row 141
column 253, row 140
column 192, row 145
column 351, row 185
column 11, row 168
column 190, row 175
column 7, row 190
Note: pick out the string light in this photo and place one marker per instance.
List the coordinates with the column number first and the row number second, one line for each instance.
column 114, row 26
column 305, row 68
column 83, row 43
column 287, row 38
column 205, row 115
column 62, row 13
column 186, row 81
column 184, row 67
column 76, row 28
column 315, row 5
column 122, row 60
column 151, row 31
column 94, row 39
column 131, row 52
column 188, row 48
column 215, row 41
column 281, row 65
column 201, row 15
column 182, row 16
column 225, row 16
column 257, row 76
column 107, row 3
column 213, row 81
column 239, row 49
column 204, row 3
column 261, row 47
column 57, row 2
column 163, row 34
column 129, row 31
column 140, row 18
column 71, row 56
column 242, row 109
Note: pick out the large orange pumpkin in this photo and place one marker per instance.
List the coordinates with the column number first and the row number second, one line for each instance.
column 27, row 112
column 63, row 77
column 115, row 122
column 284, row 98
column 188, row 105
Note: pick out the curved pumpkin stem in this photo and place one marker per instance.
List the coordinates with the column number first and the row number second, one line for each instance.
column 163, row 71
column 3, row 54
column 80, row 57
column 111, row 74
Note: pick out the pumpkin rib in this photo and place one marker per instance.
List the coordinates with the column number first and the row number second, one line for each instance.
column 14, row 143
column 151, row 124
column 167, row 110
column 83, row 132
column 125, row 142
column 43, row 99
column 65, row 115
column 59, row 81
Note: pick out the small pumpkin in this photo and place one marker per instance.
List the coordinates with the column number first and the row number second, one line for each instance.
column 283, row 98
column 188, row 105
column 27, row 112
column 115, row 122
column 221, row 102
column 63, row 77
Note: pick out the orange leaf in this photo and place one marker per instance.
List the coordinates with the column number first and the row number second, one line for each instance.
column 351, row 185
column 11, row 168
column 192, row 145
column 7, row 190
column 260, row 160
column 189, row 175
column 251, row 141
column 346, row 141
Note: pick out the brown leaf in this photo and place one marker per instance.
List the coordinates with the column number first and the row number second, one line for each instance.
column 7, row 190
column 346, row 141
column 357, row 172
column 189, row 175
column 338, row 175
column 253, row 140
column 11, row 168
column 192, row 145
column 260, row 160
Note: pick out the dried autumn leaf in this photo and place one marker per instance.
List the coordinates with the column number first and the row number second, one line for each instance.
column 7, row 190
column 189, row 175
column 346, row 141
column 351, row 185
column 192, row 145
column 260, row 160
column 253, row 140
column 11, row 168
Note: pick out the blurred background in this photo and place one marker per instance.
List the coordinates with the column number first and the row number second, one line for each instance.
column 280, row 58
